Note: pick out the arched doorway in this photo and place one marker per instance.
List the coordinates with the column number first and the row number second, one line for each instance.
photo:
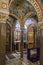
column 19, row 15
column 31, row 27
column 11, row 25
column 17, row 36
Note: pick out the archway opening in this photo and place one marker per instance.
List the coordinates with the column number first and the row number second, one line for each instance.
column 19, row 11
column 17, row 36
column 12, row 28
column 31, row 38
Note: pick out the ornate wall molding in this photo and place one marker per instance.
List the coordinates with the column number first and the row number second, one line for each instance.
column 28, row 15
column 12, row 14
column 4, row 10
column 34, row 3
column 37, row 9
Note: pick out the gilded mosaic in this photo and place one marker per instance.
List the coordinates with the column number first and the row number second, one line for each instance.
column 21, row 8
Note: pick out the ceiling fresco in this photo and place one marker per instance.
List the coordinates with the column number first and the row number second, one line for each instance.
column 21, row 7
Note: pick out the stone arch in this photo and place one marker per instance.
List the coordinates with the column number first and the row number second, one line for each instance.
column 28, row 15
column 33, row 25
column 31, row 21
column 9, row 24
column 36, row 7
column 14, row 15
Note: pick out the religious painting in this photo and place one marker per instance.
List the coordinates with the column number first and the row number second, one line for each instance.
column 31, row 37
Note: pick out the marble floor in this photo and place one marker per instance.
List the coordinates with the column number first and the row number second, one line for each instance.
column 16, row 60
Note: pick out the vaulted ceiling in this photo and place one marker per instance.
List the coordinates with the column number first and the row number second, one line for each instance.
column 21, row 7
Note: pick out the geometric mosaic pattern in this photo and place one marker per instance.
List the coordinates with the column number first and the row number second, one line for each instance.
column 21, row 8
column 18, row 61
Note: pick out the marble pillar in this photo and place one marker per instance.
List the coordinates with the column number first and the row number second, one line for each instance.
column 2, row 43
column 21, row 44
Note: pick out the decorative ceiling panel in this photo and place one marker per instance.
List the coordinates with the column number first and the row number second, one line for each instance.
column 21, row 7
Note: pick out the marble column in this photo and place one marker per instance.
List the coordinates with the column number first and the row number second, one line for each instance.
column 2, row 43
column 12, row 35
column 21, row 45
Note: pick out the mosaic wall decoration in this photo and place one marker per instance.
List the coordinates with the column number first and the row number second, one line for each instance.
column 4, row 4
column 21, row 8
column 4, row 10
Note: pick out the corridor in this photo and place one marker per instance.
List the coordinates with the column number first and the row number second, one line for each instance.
column 21, row 32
